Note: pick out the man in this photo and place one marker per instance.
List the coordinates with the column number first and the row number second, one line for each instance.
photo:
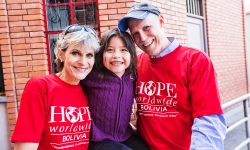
column 177, row 93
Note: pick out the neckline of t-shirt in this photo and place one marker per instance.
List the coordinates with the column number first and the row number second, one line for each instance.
column 164, row 58
column 65, row 83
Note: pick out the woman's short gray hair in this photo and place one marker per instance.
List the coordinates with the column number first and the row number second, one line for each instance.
column 76, row 38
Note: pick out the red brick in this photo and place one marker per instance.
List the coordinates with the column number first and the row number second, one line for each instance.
column 19, row 92
column 38, row 73
column 5, row 47
column 102, row 6
column 40, row 68
column 36, row 40
column 33, row 1
column 20, row 46
column 31, row 5
column 23, row 69
column 36, row 23
column 107, row 11
column 4, row 30
column 33, row 17
column 6, row 59
column 104, row 17
column 35, row 11
column 106, row 1
column 18, row 41
column 20, row 63
column 37, row 62
column 129, row 4
column 123, row 10
column 36, row 34
column 116, row 5
column 3, row 12
column 40, row 56
column 14, row 6
column 9, row 93
column 5, row 53
column 9, row 81
column 6, row 65
column 18, row 24
column 22, row 80
column 15, row 18
column 38, row 45
column 108, row 23
column 3, row 18
column 15, row 1
column 11, row 116
column 21, row 75
column 2, row 6
column 4, row 35
column 116, row 16
column 36, row 51
column 17, row 12
column 5, row 41
column 19, row 52
column 13, row 121
column 21, row 58
column 34, row 28
column 8, row 87
column 3, row 24
column 8, row 76
column 17, row 29
column 20, row 86
column 19, row 35
column 104, row 29
column 7, row 70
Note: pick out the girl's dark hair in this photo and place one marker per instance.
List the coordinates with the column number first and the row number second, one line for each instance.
column 129, row 43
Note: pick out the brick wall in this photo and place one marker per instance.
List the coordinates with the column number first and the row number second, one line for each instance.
column 23, row 49
column 174, row 12
column 24, row 53
column 225, row 31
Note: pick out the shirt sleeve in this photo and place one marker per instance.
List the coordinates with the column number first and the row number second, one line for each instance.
column 31, row 116
column 208, row 132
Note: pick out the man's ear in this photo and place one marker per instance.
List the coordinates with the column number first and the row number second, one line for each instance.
column 161, row 20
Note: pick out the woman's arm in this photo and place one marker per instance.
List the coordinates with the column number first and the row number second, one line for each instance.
column 25, row 146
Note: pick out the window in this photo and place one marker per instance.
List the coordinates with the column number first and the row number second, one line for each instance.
column 196, row 24
column 62, row 13
column 194, row 7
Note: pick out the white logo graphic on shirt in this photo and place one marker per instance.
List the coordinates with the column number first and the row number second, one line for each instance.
column 69, row 126
column 72, row 114
column 159, row 101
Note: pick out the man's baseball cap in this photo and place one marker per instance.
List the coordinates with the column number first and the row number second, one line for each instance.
column 137, row 11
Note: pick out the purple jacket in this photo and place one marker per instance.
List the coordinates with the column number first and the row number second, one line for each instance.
column 110, row 101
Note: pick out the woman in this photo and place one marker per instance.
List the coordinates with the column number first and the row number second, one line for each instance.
column 54, row 112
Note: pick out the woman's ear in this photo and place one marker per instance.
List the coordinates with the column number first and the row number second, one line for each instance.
column 60, row 55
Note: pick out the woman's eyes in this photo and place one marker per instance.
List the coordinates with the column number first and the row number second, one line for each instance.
column 90, row 55
column 75, row 53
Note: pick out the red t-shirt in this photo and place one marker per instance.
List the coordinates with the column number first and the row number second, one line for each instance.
column 54, row 114
column 171, row 91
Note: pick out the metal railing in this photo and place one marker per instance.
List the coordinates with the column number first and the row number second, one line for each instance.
column 245, row 120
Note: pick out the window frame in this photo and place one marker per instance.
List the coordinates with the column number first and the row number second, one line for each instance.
column 71, row 14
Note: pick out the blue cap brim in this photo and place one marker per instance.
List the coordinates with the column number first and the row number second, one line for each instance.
column 122, row 23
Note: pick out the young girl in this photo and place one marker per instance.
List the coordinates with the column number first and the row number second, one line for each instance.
column 110, row 90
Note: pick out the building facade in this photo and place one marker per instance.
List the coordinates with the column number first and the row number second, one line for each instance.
column 29, row 28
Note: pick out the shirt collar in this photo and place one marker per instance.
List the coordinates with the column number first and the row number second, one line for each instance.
column 173, row 45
